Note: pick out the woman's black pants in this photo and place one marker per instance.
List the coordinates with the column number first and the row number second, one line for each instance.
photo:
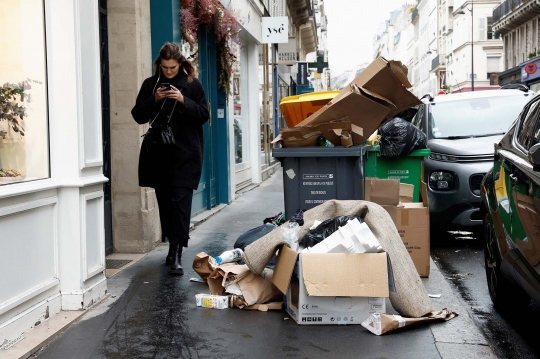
column 175, row 213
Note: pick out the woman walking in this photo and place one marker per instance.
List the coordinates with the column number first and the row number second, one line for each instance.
column 174, row 104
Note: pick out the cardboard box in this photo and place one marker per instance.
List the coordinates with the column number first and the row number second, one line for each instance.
column 378, row 93
column 340, row 133
column 333, row 288
column 411, row 219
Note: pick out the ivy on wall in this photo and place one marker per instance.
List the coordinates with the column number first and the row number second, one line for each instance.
column 218, row 21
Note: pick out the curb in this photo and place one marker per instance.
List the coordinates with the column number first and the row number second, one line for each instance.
column 459, row 337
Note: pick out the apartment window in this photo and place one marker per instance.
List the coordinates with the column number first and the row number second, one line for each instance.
column 491, row 35
column 24, row 139
column 493, row 69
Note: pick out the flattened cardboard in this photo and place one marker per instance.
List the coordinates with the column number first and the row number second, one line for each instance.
column 383, row 82
column 363, row 110
column 345, row 275
column 382, row 191
column 286, row 260
column 389, row 80
column 332, row 131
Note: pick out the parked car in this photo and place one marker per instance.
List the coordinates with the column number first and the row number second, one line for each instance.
column 462, row 129
column 511, row 212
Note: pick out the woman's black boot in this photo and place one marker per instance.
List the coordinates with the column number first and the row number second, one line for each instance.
column 176, row 267
column 170, row 256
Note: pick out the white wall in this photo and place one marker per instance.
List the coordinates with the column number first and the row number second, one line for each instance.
column 58, row 261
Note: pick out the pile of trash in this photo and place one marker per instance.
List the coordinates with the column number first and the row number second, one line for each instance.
column 375, row 103
column 344, row 261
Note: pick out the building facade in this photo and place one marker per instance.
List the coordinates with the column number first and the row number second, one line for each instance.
column 52, row 255
column 443, row 40
column 472, row 43
column 517, row 22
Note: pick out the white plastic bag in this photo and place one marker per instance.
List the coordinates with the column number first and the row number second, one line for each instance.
column 290, row 232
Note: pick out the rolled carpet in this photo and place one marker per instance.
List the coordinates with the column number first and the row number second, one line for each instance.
column 410, row 298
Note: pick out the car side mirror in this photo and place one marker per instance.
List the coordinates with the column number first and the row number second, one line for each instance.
column 534, row 157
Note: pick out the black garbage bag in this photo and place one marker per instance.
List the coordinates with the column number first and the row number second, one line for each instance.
column 325, row 229
column 399, row 138
column 252, row 235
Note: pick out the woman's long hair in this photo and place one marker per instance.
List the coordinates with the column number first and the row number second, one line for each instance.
column 171, row 51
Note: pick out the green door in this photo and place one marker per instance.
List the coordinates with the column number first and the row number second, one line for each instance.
column 204, row 197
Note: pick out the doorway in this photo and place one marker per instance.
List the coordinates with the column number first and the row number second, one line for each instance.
column 106, row 122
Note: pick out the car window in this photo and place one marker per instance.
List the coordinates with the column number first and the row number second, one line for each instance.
column 529, row 127
column 475, row 117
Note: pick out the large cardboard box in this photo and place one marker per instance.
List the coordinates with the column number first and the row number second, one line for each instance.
column 377, row 94
column 331, row 288
column 411, row 219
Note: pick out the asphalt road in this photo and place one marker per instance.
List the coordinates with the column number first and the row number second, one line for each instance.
column 460, row 258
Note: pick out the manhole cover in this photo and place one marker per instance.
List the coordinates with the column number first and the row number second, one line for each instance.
column 116, row 263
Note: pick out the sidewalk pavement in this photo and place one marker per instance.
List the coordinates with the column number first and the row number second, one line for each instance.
column 150, row 314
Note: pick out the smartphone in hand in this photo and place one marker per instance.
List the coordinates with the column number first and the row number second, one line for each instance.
column 166, row 86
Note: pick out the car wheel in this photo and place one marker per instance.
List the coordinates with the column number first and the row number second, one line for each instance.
column 504, row 294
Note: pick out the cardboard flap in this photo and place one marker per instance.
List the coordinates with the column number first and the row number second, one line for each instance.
column 283, row 271
column 424, row 194
column 382, row 191
column 406, row 192
column 345, row 275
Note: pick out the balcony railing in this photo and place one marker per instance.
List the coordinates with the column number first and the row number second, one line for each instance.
column 505, row 8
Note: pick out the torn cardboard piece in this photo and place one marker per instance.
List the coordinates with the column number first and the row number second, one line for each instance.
column 378, row 93
column 363, row 110
column 380, row 323
column 255, row 289
column 204, row 265
column 340, row 132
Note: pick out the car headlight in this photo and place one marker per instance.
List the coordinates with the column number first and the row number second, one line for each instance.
column 441, row 181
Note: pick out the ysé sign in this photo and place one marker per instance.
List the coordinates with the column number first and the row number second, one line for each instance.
column 275, row 30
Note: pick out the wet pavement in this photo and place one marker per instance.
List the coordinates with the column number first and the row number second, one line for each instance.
column 150, row 314
column 513, row 334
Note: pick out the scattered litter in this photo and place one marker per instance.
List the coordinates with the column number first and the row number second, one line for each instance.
column 197, row 280
column 145, row 282
column 212, row 301
column 380, row 323
column 285, row 318
column 434, row 295
column 459, row 250
column 114, row 296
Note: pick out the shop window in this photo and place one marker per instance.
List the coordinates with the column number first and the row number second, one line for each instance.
column 24, row 139
column 240, row 99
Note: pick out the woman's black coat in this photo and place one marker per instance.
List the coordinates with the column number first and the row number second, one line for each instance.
column 179, row 164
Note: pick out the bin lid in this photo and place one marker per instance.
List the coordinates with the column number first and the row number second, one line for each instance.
column 297, row 108
column 424, row 152
column 315, row 151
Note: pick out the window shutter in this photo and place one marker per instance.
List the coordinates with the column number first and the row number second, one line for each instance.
column 493, row 64
column 482, row 29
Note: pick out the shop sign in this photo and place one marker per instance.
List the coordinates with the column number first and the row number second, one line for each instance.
column 275, row 30
column 287, row 52
column 302, row 76
column 529, row 71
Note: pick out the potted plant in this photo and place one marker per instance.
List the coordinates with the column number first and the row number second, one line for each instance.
column 11, row 110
